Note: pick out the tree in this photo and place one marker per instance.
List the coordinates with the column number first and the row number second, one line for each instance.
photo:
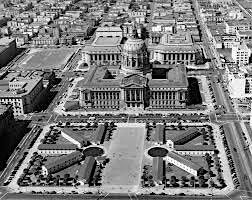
column 183, row 180
column 192, row 181
column 201, row 171
column 49, row 178
column 57, row 180
column 173, row 181
column 25, row 171
column 201, row 181
column 211, row 183
column 66, row 176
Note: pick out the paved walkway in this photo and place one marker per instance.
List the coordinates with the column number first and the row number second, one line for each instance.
column 123, row 172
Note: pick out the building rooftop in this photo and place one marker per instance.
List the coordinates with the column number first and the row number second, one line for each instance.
column 194, row 147
column 5, row 41
column 158, row 169
column 85, row 170
column 183, row 160
column 176, row 48
column 103, row 48
column 107, row 41
column 109, row 29
column 186, row 134
column 25, row 86
column 159, row 133
column 4, row 108
column 57, row 147
column 64, row 159
column 175, row 76
column 99, row 133
column 95, row 77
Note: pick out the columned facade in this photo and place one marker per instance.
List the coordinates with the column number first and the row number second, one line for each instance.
column 102, row 58
column 106, row 99
column 167, row 98
column 173, row 57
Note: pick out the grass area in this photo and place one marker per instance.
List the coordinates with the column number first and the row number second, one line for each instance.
column 158, row 152
column 87, row 134
column 50, row 159
column 170, row 134
column 62, row 140
column 172, row 170
column 196, row 141
column 93, row 151
column 72, row 170
column 198, row 160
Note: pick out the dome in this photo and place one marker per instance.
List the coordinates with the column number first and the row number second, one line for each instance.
column 133, row 44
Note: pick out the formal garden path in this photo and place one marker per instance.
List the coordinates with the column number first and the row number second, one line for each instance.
column 123, row 172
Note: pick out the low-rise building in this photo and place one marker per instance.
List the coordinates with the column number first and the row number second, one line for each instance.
column 158, row 167
column 56, row 149
column 62, row 163
column 182, row 163
column 86, row 170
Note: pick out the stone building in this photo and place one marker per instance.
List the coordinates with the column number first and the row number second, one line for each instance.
column 134, row 83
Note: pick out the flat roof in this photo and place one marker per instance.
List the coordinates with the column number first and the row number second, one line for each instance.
column 113, row 49
column 29, row 85
column 95, row 77
column 5, row 41
column 175, row 48
column 107, row 41
column 175, row 77
column 109, row 29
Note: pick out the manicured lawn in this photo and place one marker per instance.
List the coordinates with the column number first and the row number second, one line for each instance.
column 93, row 151
column 158, row 152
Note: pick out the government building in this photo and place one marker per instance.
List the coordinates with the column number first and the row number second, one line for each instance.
column 120, row 76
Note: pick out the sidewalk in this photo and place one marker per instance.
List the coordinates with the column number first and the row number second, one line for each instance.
column 13, row 184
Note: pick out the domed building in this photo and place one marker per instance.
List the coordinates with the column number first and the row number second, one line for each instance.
column 134, row 56
column 129, row 82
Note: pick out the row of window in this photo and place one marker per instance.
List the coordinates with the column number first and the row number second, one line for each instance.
column 176, row 56
column 163, row 95
column 105, row 57
column 103, row 95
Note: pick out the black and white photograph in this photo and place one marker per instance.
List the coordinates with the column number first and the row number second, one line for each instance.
column 126, row 99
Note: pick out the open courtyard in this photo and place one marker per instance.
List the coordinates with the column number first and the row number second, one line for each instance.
column 46, row 59
column 126, row 158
